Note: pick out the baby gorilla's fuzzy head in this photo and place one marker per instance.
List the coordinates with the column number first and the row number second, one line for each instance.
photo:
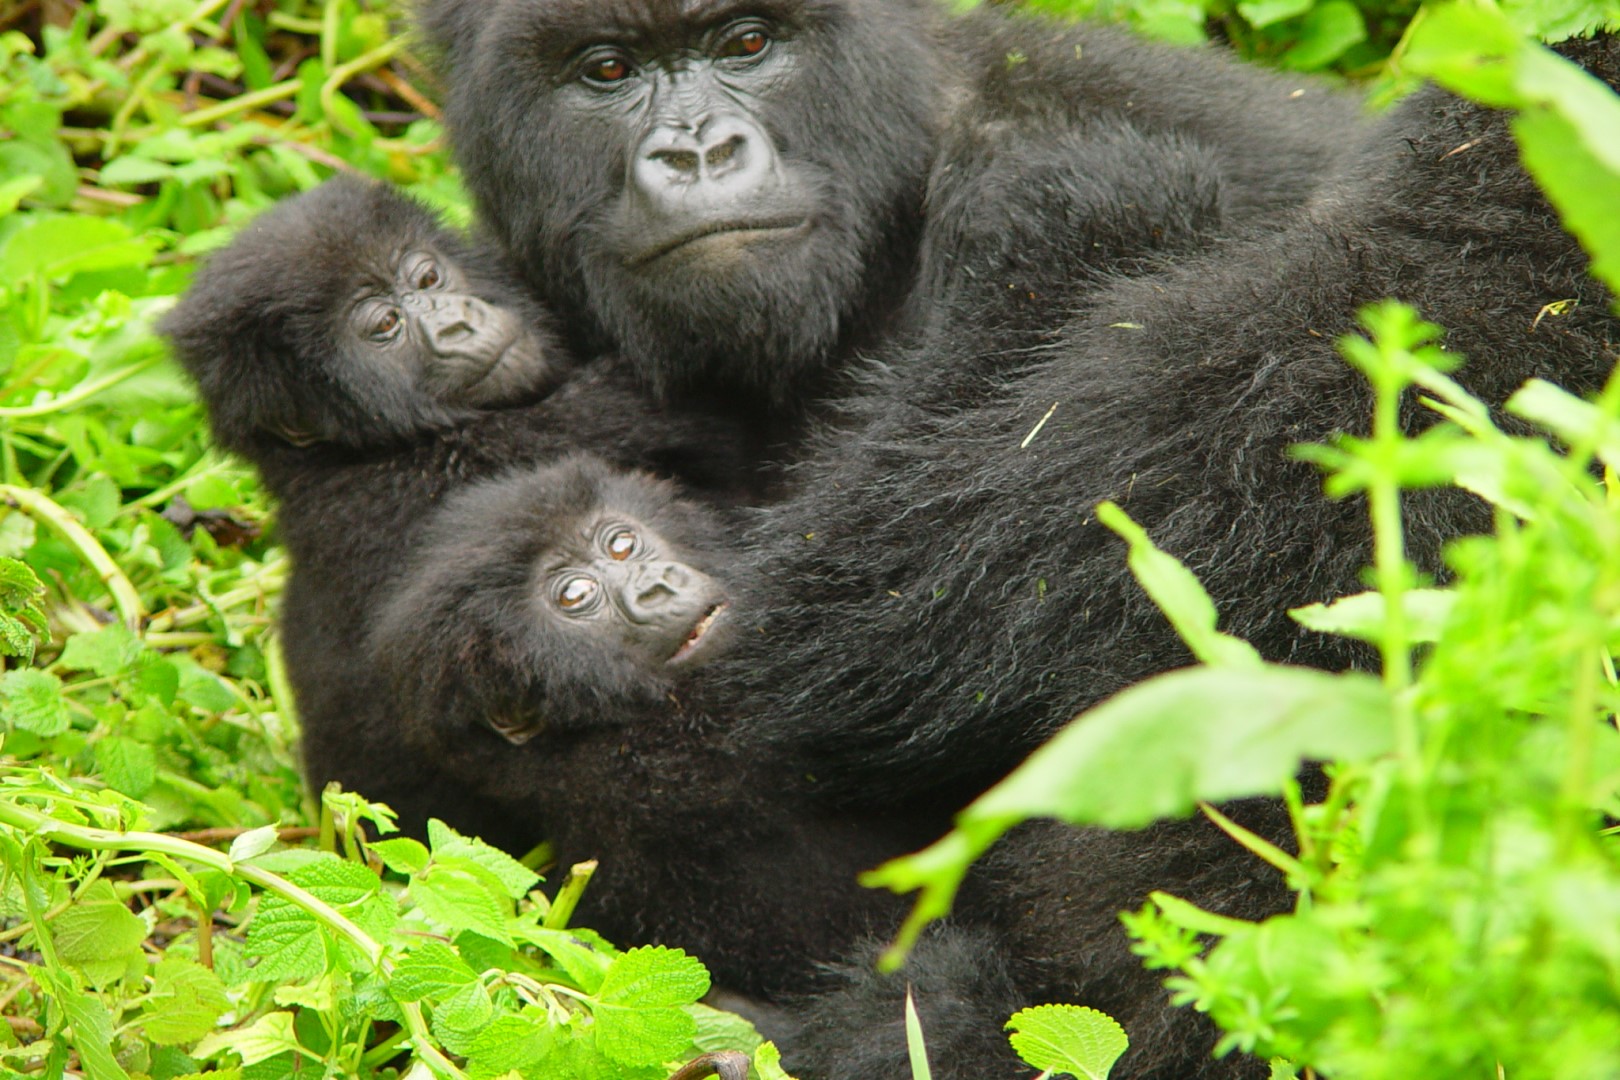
column 348, row 315
column 556, row 599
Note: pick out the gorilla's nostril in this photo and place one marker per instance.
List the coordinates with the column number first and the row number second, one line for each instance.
column 684, row 162
column 718, row 156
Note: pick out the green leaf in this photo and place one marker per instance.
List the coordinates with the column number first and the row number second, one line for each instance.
column 717, row 1030
column 1262, row 13
column 403, row 855
column 513, row 875
column 98, row 926
column 185, row 1003
column 266, row 1037
column 1325, row 33
column 1068, row 1040
column 461, row 900
column 584, row 962
column 508, row 1044
column 91, row 1023
column 433, row 970
column 290, row 943
column 461, row 1018
column 916, row 1046
column 58, row 247
column 31, row 700
column 107, row 652
column 768, row 1063
column 1362, row 616
column 15, row 190
column 253, row 843
column 127, row 765
column 639, row 1014
column 1178, row 593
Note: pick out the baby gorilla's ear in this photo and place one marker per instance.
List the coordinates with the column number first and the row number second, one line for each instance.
column 516, row 727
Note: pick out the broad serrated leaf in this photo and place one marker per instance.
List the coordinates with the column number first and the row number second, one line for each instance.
column 261, row 1040
column 286, row 940
column 640, row 1019
column 185, row 1002
column 289, row 942
column 516, row 878
column 107, row 652
column 460, row 1019
column 433, row 970
column 460, row 900
column 717, row 1030
column 98, row 926
column 654, row 976
column 403, row 856
column 1068, row 1040
column 127, row 765
column 31, row 700
column 508, row 1044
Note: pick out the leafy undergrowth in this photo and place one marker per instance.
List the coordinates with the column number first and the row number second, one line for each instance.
column 172, row 901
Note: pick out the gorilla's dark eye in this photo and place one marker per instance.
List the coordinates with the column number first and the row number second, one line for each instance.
column 577, row 593
column 621, row 543
column 385, row 324
column 746, row 41
column 607, row 70
column 430, row 277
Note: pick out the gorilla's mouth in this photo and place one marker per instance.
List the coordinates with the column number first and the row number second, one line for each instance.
column 695, row 636
column 733, row 233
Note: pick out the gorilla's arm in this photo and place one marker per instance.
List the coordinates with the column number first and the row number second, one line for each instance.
column 940, row 597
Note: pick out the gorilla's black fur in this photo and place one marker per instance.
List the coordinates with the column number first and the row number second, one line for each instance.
column 259, row 331
column 957, row 601
column 822, row 153
column 1010, row 608
column 702, row 843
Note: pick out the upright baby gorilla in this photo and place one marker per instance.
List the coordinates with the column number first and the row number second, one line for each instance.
column 368, row 363
column 740, row 194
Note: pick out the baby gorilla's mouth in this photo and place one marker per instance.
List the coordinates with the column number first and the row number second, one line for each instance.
column 695, row 635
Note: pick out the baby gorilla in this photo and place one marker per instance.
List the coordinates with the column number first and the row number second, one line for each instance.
column 561, row 608
column 369, row 361
column 382, row 326
column 565, row 594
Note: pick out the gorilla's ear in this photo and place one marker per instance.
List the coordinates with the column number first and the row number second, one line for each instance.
column 450, row 26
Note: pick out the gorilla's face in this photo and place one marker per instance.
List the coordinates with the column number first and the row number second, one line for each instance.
column 716, row 186
column 413, row 313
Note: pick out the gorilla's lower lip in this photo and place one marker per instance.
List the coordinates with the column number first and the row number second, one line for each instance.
column 743, row 230
column 697, row 633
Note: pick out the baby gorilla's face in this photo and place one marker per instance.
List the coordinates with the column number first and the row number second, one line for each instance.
column 623, row 584
column 419, row 315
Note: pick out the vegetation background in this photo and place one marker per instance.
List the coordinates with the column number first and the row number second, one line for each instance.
column 172, row 902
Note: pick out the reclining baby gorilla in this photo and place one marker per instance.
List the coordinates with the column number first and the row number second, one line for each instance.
column 538, row 651
column 368, row 361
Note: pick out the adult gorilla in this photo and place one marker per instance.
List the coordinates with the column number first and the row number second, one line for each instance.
column 737, row 194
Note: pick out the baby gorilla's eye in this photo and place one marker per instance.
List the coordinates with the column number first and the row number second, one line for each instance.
column 576, row 593
column 621, row 544
column 385, row 324
column 429, row 277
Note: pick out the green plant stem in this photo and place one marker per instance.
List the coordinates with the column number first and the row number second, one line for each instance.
column 242, row 103
column 90, row 839
column 80, row 393
column 344, row 72
column 568, row 895
column 41, row 508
